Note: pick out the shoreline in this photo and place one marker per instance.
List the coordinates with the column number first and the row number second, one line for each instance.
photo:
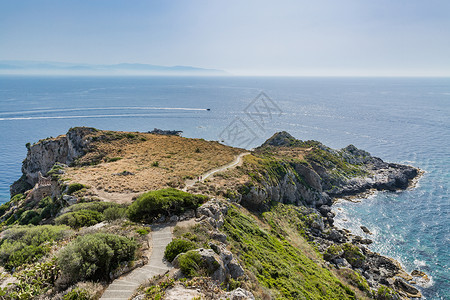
column 423, row 280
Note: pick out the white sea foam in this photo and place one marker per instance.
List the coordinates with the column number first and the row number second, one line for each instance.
column 101, row 108
column 77, row 117
column 420, row 263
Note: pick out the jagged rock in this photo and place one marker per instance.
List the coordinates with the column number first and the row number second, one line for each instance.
column 219, row 236
column 365, row 229
column 70, row 200
column 218, row 261
column 180, row 292
column 173, row 219
column 324, row 210
column 336, row 236
column 63, row 149
column 214, row 211
column 342, row 263
column 189, row 214
column 239, row 294
column 420, row 277
column 408, row 289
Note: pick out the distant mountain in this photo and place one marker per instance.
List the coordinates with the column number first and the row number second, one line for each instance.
column 44, row 67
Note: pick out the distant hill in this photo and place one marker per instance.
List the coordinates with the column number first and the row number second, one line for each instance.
column 46, row 67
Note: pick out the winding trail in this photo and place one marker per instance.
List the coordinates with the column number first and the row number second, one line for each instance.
column 123, row 287
column 237, row 161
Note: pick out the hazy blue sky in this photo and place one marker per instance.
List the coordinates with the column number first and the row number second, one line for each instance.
column 345, row 37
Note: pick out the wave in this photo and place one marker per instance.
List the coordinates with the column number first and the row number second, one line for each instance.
column 102, row 108
column 76, row 117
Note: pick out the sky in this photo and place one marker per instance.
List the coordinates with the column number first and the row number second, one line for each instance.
column 305, row 38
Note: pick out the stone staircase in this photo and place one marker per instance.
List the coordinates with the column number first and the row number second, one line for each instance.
column 123, row 288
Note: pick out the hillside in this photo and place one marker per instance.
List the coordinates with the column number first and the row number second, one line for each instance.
column 261, row 229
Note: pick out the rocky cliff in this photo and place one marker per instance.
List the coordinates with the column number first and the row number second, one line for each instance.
column 44, row 154
column 292, row 171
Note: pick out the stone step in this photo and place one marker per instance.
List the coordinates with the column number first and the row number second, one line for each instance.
column 124, row 294
column 122, row 286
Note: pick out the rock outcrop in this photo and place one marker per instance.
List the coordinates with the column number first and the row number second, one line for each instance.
column 321, row 174
column 44, row 154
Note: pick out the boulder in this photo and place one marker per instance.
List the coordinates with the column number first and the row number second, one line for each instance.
column 365, row 229
column 406, row 288
column 239, row 294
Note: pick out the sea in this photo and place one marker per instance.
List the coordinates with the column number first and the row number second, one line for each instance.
column 402, row 120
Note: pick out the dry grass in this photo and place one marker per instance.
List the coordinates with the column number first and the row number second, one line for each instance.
column 155, row 161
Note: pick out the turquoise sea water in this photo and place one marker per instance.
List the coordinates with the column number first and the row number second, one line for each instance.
column 403, row 120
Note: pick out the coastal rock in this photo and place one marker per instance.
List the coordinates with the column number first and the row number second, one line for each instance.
column 44, row 154
column 406, row 288
column 239, row 294
column 365, row 229
column 420, row 278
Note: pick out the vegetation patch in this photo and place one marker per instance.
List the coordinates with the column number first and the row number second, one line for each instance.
column 166, row 202
column 74, row 187
column 94, row 256
column 192, row 265
column 278, row 265
column 33, row 281
column 80, row 218
column 24, row 244
column 177, row 246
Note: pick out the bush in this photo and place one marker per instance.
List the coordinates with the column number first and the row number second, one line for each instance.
column 74, row 187
column 30, row 217
column 34, row 281
column 142, row 231
column 94, row 256
column 114, row 213
column 99, row 206
column 49, row 207
column 77, row 294
column 176, row 247
column 23, row 244
column 151, row 205
column 80, row 218
column 191, row 264
column 385, row 293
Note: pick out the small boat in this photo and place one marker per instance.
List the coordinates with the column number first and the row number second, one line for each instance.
column 208, row 109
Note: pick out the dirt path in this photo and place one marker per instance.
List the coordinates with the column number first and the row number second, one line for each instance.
column 236, row 162
column 123, row 287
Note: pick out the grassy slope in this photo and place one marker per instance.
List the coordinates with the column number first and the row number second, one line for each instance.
column 287, row 271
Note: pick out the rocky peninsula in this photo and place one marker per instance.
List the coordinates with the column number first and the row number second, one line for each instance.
column 260, row 230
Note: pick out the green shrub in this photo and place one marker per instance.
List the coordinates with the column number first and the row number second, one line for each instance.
column 353, row 255
column 30, row 217
column 191, row 264
column 99, row 206
column 26, row 255
column 176, row 247
column 49, row 208
column 23, row 244
column 114, row 213
column 94, row 256
column 34, row 281
column 142, row 231
column 385, row 293
column 74, row 187
column 80, row 218
column 155, row 164
column 78, row 294
column 151, row 205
